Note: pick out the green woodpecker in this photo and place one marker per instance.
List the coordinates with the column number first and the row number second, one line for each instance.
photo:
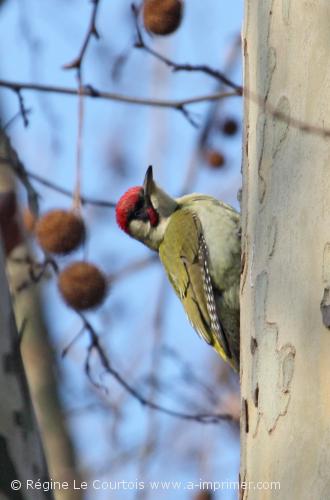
column 198, row 241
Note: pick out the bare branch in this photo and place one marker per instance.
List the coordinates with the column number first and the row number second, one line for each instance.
column 77, row 64
column 90, row 91
column 95, row 344
column 92, row 31
column 22, row 108
column 201, row 68
column 85, row 200
column 14, row 118
column 222, row 78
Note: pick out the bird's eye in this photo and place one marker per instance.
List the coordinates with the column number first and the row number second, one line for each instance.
column 138, row 209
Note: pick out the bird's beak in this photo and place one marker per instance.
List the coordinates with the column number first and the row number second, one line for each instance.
column 148, row 183
column 156, row 197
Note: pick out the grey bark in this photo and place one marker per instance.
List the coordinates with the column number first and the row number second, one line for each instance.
column 21, row 456
column 285, row 351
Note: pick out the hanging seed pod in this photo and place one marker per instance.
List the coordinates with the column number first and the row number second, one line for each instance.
column 82, row 285
column 162, row 17
column 229, row 127
column 60, row 231
column 215, row 159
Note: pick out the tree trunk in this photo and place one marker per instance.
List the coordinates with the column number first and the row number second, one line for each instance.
column 286, row 252
column 36, row 351
column 21, row 456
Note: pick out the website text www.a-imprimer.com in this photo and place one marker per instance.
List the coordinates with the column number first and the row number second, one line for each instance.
column 122, row 485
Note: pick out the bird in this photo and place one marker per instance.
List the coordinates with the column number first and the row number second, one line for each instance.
column 198, row 240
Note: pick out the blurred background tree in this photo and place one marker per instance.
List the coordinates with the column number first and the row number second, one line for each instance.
column 130, row 391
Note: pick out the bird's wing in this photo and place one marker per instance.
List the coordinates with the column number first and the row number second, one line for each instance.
column 185, row 258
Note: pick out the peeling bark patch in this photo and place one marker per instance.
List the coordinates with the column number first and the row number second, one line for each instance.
column 280, row 129
column 245, row 415
column 243, row 262
column 260, row 301
column 271, row 65
column 287, row 356
column 325, row 307
column 244, row 267
column 278, row 133
column 261, row 125
column 253, row 345
column 325, row 302
column 326, row 263
column 273, row 366
column 275, row 373
column 256, row 396
column 263, row 162
column 272, row 234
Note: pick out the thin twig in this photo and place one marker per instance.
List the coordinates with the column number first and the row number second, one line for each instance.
column 201, row 68
column 77, row 191
column 85, row 200
column 23, row 110
column 202, row 140
column 77, row 64
column 72, row 342
column 222, row 78
column 95, row 344
column 36, row 271
column 89, row 91
column 92, row 31
column 234, row 53
column 14, row 118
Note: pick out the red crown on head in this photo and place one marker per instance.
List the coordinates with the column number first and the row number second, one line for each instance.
column 126, row 205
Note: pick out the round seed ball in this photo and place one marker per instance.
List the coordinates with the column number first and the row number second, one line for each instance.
column 60, row 231
column 162, row 17
column 215, row 158
column 82, row 285
column 230, row 126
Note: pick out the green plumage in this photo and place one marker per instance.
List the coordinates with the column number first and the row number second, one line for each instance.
column 183, row 257
column 179, row 255
column 198, row 240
